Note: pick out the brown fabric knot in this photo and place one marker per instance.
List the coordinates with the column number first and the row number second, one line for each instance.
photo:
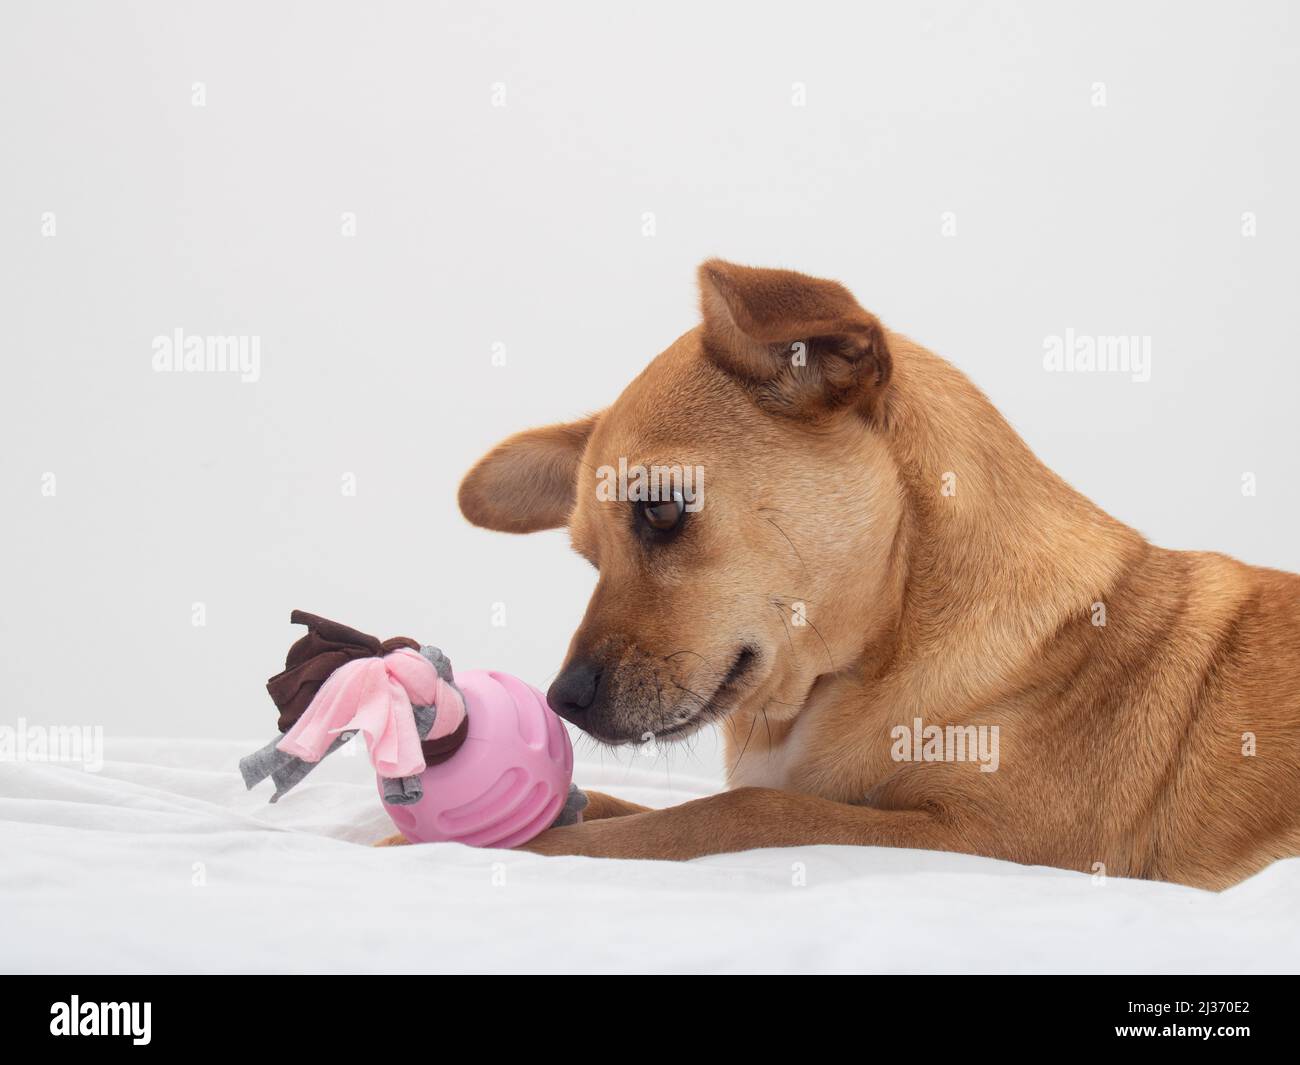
column 327, row 646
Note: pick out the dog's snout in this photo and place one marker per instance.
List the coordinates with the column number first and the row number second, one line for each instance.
column 575, row 690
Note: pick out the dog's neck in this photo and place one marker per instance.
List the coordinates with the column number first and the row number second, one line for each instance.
column 996, row 551
column 992, row 557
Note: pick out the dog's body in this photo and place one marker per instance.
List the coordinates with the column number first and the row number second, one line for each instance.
column 878, row 546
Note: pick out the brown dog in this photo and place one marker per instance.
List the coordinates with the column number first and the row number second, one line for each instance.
column 883, row 577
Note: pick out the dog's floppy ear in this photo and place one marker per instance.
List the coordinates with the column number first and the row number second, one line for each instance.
column 526, row 482
column 801, row 343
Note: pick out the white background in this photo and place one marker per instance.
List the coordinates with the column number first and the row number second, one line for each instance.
column 522, row 225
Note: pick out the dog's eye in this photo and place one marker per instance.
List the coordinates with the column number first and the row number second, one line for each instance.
column 663, row 516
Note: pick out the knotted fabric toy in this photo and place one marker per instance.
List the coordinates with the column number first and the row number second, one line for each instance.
column 513, row 782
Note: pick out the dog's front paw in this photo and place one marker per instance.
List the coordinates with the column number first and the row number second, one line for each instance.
column 601, row 806
column 394, row 841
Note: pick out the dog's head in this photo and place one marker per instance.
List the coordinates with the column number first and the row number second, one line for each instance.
column 737, row 501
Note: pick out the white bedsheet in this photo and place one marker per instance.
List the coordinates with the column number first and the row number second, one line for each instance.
column 162, row 862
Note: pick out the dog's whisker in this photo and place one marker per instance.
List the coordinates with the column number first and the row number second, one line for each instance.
column 688, row 651
column 693, row 694
column 752, row 722
column 829, row 657
column 789, row 638
column 787, row 540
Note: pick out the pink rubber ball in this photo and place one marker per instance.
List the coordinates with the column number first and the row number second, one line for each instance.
column 508, row 781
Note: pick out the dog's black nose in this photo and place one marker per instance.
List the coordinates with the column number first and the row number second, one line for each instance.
column 574, row 691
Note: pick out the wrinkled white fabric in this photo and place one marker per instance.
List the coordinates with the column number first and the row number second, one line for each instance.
column 163, row 862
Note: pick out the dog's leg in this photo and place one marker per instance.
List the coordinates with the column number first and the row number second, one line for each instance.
column 599, row 806
column 755, row 817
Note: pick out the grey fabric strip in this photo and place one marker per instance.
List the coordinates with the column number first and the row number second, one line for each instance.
column 571, row 814
column 285, row 770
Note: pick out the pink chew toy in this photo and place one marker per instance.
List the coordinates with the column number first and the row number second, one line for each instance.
column 478, row 759
column 508, row 781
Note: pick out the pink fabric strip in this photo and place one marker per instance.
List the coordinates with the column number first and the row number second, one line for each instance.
column 374, row 696
column 451, row 711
